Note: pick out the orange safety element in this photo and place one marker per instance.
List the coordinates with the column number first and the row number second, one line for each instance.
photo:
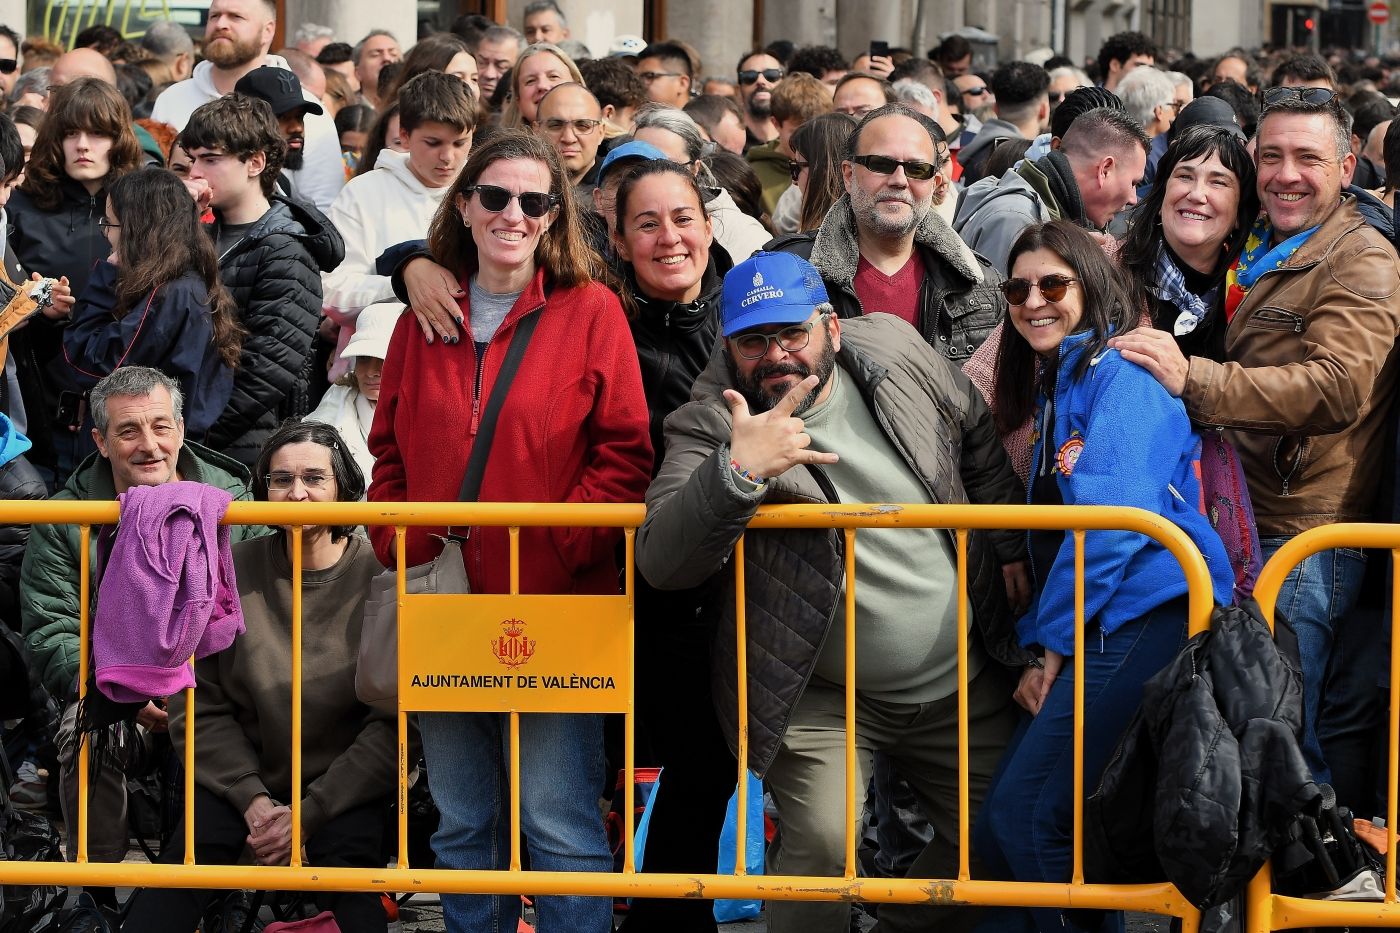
column 1265, row 910
column 525, row 653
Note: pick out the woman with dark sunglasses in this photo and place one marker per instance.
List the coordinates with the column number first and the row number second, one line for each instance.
column 573, row 428
column 1106, row 434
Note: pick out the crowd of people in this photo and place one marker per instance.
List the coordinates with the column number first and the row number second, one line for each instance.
column 334, row 271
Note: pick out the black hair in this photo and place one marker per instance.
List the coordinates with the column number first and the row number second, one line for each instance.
column 817, row 60
column 1392, row 156
column 1058, row 61
column 1241, row 100
column 349, row 481
column 735, row 175
column 356, row 118
column 336, row 53
column 1019, row 83
column 1303, row 68
column 99, row 38
column 613, row 82
column 1107, row 310
column 1006, row 152
column 1122, row 46
column 135, row 86
column 668, row 52
column 781, row 49
column 1138, row 253
column 952, row 49
column 1369, row 113
column 1079, row 102
column 935, row 132
column 12, row 150
column 13, row 36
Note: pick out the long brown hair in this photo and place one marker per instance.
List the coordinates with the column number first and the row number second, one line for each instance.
column 161, row 240
column 89, row 105
column 563, row 251
column 821, row 143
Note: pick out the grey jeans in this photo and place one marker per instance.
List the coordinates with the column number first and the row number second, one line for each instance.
column 807, row 781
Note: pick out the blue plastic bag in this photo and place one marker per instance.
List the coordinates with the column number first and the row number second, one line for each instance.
column 729, row 911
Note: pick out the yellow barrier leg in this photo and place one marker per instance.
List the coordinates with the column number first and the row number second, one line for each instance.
column 84, row 656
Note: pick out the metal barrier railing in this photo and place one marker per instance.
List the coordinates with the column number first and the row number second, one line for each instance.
column 600, row 618
column 1265, row 910
column 77, row 15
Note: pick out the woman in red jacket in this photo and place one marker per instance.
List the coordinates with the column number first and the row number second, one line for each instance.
column 573, row 429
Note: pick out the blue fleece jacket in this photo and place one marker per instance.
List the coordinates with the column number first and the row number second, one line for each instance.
column 1120, row 439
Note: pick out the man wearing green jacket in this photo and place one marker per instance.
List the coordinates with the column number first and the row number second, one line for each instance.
column 140, row 436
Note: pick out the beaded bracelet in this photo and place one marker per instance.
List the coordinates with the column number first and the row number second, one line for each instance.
column 751, row 477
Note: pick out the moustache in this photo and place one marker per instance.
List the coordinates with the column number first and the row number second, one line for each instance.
column 774, row 370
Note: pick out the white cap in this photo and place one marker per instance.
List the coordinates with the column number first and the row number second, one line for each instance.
column 373, row 328
column 627, row 45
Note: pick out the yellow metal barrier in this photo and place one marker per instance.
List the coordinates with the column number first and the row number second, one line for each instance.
column 419, row 621
column 1266, row 910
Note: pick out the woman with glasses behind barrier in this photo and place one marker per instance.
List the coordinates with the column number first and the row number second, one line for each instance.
column 243, row 737
column 572, row 428
column 1106, row 434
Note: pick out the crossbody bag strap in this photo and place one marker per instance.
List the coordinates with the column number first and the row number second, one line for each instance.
column 481, row 447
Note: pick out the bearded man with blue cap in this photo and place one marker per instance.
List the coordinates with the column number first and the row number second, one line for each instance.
column 798, row 406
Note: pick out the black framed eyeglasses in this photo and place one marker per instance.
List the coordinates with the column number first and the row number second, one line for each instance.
column 1308, row 95
column 105, row 224
column 8, row 66
column 1052, row 288
column 754, row 346
column 556, row 126
column 750, row 76
column 532, row 203
column 884, row 165
column 795, row 169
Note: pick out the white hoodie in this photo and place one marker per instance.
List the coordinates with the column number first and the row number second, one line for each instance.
column 322, row 174
column 373, row 212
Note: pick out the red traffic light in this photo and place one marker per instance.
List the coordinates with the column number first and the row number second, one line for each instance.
column 1308, row 24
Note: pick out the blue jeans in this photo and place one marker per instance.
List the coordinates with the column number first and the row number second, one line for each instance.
column 561, row 772
column 1025, row 829
column 1317, row 596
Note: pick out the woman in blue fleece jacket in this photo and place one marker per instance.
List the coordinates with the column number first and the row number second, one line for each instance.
column 1106, row 433
column 156, row 301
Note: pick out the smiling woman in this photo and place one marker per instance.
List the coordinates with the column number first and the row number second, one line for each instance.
column 539, row 69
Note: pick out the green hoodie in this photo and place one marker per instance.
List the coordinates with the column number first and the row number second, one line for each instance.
column 771, row 167
column 49, row 576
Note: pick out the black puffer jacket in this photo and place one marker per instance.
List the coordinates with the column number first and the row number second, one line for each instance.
column 274, row 273
column 1210, row 774
column 959, row 303
column 18, row 480
column 66, row 241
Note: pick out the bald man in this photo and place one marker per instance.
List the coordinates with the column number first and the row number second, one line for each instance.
column 571, row 120
column 82, row 63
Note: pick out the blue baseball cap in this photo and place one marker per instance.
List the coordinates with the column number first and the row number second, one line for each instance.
column 770, row 288
column 636, row 150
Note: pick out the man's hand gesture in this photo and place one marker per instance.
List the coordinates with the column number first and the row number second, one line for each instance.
column 771, row 443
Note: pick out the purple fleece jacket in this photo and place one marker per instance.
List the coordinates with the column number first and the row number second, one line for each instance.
column 167, row 593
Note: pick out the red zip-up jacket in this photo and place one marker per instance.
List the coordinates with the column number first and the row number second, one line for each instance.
column 573, row 429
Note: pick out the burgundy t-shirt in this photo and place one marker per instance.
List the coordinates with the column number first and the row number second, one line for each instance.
column 896, row 294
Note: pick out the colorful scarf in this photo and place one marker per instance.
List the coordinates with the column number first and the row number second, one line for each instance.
column 1171, row 288
column 1258, row 257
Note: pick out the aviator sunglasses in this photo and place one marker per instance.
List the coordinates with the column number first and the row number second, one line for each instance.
column 532, row 203
column 1052, row 288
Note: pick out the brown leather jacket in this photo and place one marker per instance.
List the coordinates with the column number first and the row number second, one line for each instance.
column 1310, row 378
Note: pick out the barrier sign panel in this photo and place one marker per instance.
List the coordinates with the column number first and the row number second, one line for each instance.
column 531, row 654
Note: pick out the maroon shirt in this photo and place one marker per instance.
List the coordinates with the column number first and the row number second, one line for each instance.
column 896, row 294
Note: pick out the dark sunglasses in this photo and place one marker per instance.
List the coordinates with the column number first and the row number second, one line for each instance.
column 795, row 168
column 1056, row 97
column 532, row 203
column 975, row 91
column 1308, row 95
column 8, row 66
column 884, row 165
column 1052, row 288
column 771, row 75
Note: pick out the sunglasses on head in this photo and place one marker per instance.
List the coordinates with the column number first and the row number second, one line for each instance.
column 884, row 165
column 1308, row 95
column 771, row 75
column 8, row 66
column 1052, row 288
column 532, row 203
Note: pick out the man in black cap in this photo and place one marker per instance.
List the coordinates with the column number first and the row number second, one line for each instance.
column 282, row 90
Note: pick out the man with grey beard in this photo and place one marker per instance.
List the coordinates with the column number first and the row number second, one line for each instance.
column 883, row 247
column 799, row 406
